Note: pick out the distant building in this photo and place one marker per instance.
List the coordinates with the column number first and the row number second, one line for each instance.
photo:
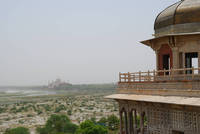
column 57, row 83
column 166, row 99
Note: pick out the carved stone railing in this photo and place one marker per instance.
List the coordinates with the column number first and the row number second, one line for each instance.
column 183, row 74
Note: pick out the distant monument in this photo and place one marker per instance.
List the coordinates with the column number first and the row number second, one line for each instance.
column 57, row 83
column 167, row 99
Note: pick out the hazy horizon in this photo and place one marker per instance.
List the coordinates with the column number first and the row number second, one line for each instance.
column 77, row 41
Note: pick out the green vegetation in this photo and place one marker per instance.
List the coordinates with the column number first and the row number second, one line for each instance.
column 69, row 112
column 89, row 127
column 138, row 121
column 60, row 108
column 113, row 122
column 18, row 130
column 2, row 110
column 58, row 124
column 46, row 107
column 103, row 121
column 61, row 124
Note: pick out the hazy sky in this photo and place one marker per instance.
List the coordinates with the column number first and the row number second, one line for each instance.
column 80, row 41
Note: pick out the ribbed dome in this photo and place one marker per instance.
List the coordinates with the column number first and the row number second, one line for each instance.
column 179, row 18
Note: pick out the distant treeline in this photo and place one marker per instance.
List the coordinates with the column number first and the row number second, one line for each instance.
column 111, row 86
column 22, row 87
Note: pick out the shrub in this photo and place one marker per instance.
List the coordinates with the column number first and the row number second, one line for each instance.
column 60, row 108
column 113, row 122
column 58, row 124
column 18, row 130
column 2, row 110
column 88, row 127
column 102, row 121
column 69, row 112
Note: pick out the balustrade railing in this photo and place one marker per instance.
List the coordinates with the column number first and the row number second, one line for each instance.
column 182, row 74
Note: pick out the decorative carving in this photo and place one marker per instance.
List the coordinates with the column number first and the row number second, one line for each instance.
column 161, row 118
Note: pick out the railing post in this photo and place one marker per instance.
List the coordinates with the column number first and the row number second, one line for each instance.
column 148, row 76
column 164, row 72
column 192, row 73
column 152, row 75
column 184, row 73
column 171, row 73
column 139, row 76
column 125, row 77
column 129, row 77
column 120, row 77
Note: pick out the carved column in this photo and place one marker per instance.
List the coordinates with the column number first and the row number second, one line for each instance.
column 183, row 61
column 121, row 123
column 135, row 122
column 141, row 122
column 157, row 59
column 199, row 61
column 130, row 122
column 126, row 122
column 175, row 56
column 183, row 58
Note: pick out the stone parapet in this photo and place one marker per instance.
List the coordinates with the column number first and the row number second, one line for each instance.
column 191, row 89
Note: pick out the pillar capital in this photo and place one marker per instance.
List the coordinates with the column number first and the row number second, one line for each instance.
column 175, row 49
column 175, row 57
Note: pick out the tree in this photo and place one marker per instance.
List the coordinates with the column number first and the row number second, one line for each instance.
column 69, row 112
column 93, row 119
column 18, row 130
column 58, row 124
column 88, row 127
column 113, row 122
column 102, row 121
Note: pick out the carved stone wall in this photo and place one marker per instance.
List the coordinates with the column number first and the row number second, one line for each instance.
column 162, row 118
column 162, row 85
column 189, row 89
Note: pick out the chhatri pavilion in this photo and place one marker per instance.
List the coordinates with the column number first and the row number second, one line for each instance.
column 166, row 99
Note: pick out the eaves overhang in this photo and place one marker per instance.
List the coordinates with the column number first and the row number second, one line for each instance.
column 150, row 41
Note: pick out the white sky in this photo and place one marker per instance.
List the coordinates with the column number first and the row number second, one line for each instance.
column 80, row 41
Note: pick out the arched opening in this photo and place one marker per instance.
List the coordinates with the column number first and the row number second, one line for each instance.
column 134, row 125
column 137, row 122
column 165, row 61
column 124, row 121
column 143, row 123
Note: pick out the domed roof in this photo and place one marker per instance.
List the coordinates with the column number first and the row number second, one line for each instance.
column 179, row 18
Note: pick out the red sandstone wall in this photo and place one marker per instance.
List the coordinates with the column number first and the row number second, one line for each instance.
column 165, row 49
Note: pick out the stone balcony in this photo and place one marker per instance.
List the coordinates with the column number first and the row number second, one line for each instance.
column 162, row 82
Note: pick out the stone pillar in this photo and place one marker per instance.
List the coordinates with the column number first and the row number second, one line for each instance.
column 135, row 122
column 183, row 58
column 199, row 61
column 126, row 123
column 141, row 123
column 121, row 123
column 130, row 122
column 157, row 60
column 175, row 56
column 183, row 61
